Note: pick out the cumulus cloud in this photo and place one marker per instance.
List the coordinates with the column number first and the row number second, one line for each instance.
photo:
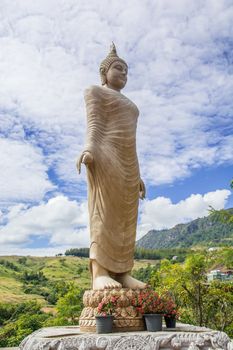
column 6, row 250
column 23, row 172
column 60, row 220
column 161, row 213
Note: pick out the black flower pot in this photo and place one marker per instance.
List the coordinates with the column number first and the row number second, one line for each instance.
column 104, row 324
column 170, row 322
column 153, row 322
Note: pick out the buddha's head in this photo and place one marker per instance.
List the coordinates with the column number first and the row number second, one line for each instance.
column 113, row 70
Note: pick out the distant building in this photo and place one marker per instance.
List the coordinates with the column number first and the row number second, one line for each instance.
column 212, row 249
column 220, row 275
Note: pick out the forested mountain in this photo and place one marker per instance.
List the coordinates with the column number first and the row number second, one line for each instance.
column 200, row 232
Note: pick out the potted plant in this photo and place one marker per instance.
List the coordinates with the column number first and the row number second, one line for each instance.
column 150, row 304
column 171, row 312
column 104, row 317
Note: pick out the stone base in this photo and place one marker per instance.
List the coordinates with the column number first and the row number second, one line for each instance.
column 126, row 316
column 184, row 337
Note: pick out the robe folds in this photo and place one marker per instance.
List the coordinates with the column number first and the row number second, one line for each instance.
column 113, row 177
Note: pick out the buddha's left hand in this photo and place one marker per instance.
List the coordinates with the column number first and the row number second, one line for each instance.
column 142, row 190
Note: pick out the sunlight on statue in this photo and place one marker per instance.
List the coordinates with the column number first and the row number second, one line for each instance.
column 114, row 183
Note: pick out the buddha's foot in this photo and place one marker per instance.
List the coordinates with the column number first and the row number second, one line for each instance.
column 128, row 281
column 105, row 282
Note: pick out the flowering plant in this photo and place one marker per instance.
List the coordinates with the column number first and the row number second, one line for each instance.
column 149, row 302
column 107, row 305
column 170, row 307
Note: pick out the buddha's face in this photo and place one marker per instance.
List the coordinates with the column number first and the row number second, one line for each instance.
column 116, row 76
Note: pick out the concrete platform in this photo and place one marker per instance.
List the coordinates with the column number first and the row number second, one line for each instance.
column 184, row 337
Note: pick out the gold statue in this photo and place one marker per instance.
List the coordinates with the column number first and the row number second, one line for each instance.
column 114, row 184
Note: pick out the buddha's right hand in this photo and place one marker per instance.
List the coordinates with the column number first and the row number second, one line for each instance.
column 86, row 158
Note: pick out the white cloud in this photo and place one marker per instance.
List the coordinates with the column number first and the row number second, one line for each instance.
column 23, row 172
column 60, row 220
column 161, row 213
column 45, row 251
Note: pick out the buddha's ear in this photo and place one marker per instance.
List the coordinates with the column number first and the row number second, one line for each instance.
column 103, row 75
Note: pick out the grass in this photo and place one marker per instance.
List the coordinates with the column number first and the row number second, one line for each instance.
column 11, row 291
column 67, row 268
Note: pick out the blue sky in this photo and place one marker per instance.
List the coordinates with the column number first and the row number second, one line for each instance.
column 180, row 57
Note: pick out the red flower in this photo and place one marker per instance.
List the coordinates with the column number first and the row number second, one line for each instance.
column 107, row 305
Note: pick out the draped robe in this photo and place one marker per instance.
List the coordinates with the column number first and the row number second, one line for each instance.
column 113, row 177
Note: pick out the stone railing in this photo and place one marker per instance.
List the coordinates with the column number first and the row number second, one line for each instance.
column 184, row 337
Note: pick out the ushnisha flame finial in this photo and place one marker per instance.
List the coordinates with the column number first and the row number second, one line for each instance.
column 106, row 63
column 113, row 51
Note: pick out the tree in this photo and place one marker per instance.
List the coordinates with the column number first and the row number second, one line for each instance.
column 25, row 319
column 69, row 306
column 193, row 283
column 6, row 310
column 227, row 257
column 22, row 260
column 219, row 307
column 224, row 216
column 82, row 252
column 201, row 303
column 144, row 273
column 57, row 289
column 187, row 285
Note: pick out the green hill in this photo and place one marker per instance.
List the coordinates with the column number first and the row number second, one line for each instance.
column 16, row 276
column 204, row 232
column 27, row 278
